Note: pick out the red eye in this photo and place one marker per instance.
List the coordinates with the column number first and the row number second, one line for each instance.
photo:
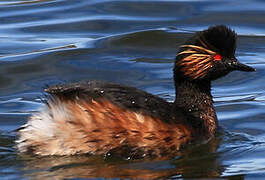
column 217, row 57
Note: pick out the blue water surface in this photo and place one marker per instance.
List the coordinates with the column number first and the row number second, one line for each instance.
column 46, row 42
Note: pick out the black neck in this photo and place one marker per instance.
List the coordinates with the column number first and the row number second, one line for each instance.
column 195, row 100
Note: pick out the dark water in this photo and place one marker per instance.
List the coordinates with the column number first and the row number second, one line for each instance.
column 44, row 42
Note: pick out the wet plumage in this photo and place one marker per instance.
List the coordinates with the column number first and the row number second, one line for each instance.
column 102, row 118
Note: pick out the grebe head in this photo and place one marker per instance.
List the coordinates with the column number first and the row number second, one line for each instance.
column 208, row 55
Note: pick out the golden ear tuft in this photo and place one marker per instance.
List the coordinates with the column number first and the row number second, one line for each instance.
column 197, row 62
column 198, row 49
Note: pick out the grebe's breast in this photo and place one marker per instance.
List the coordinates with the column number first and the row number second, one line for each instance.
column 100, row 118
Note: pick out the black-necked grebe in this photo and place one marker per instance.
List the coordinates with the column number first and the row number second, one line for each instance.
column 99, row 118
